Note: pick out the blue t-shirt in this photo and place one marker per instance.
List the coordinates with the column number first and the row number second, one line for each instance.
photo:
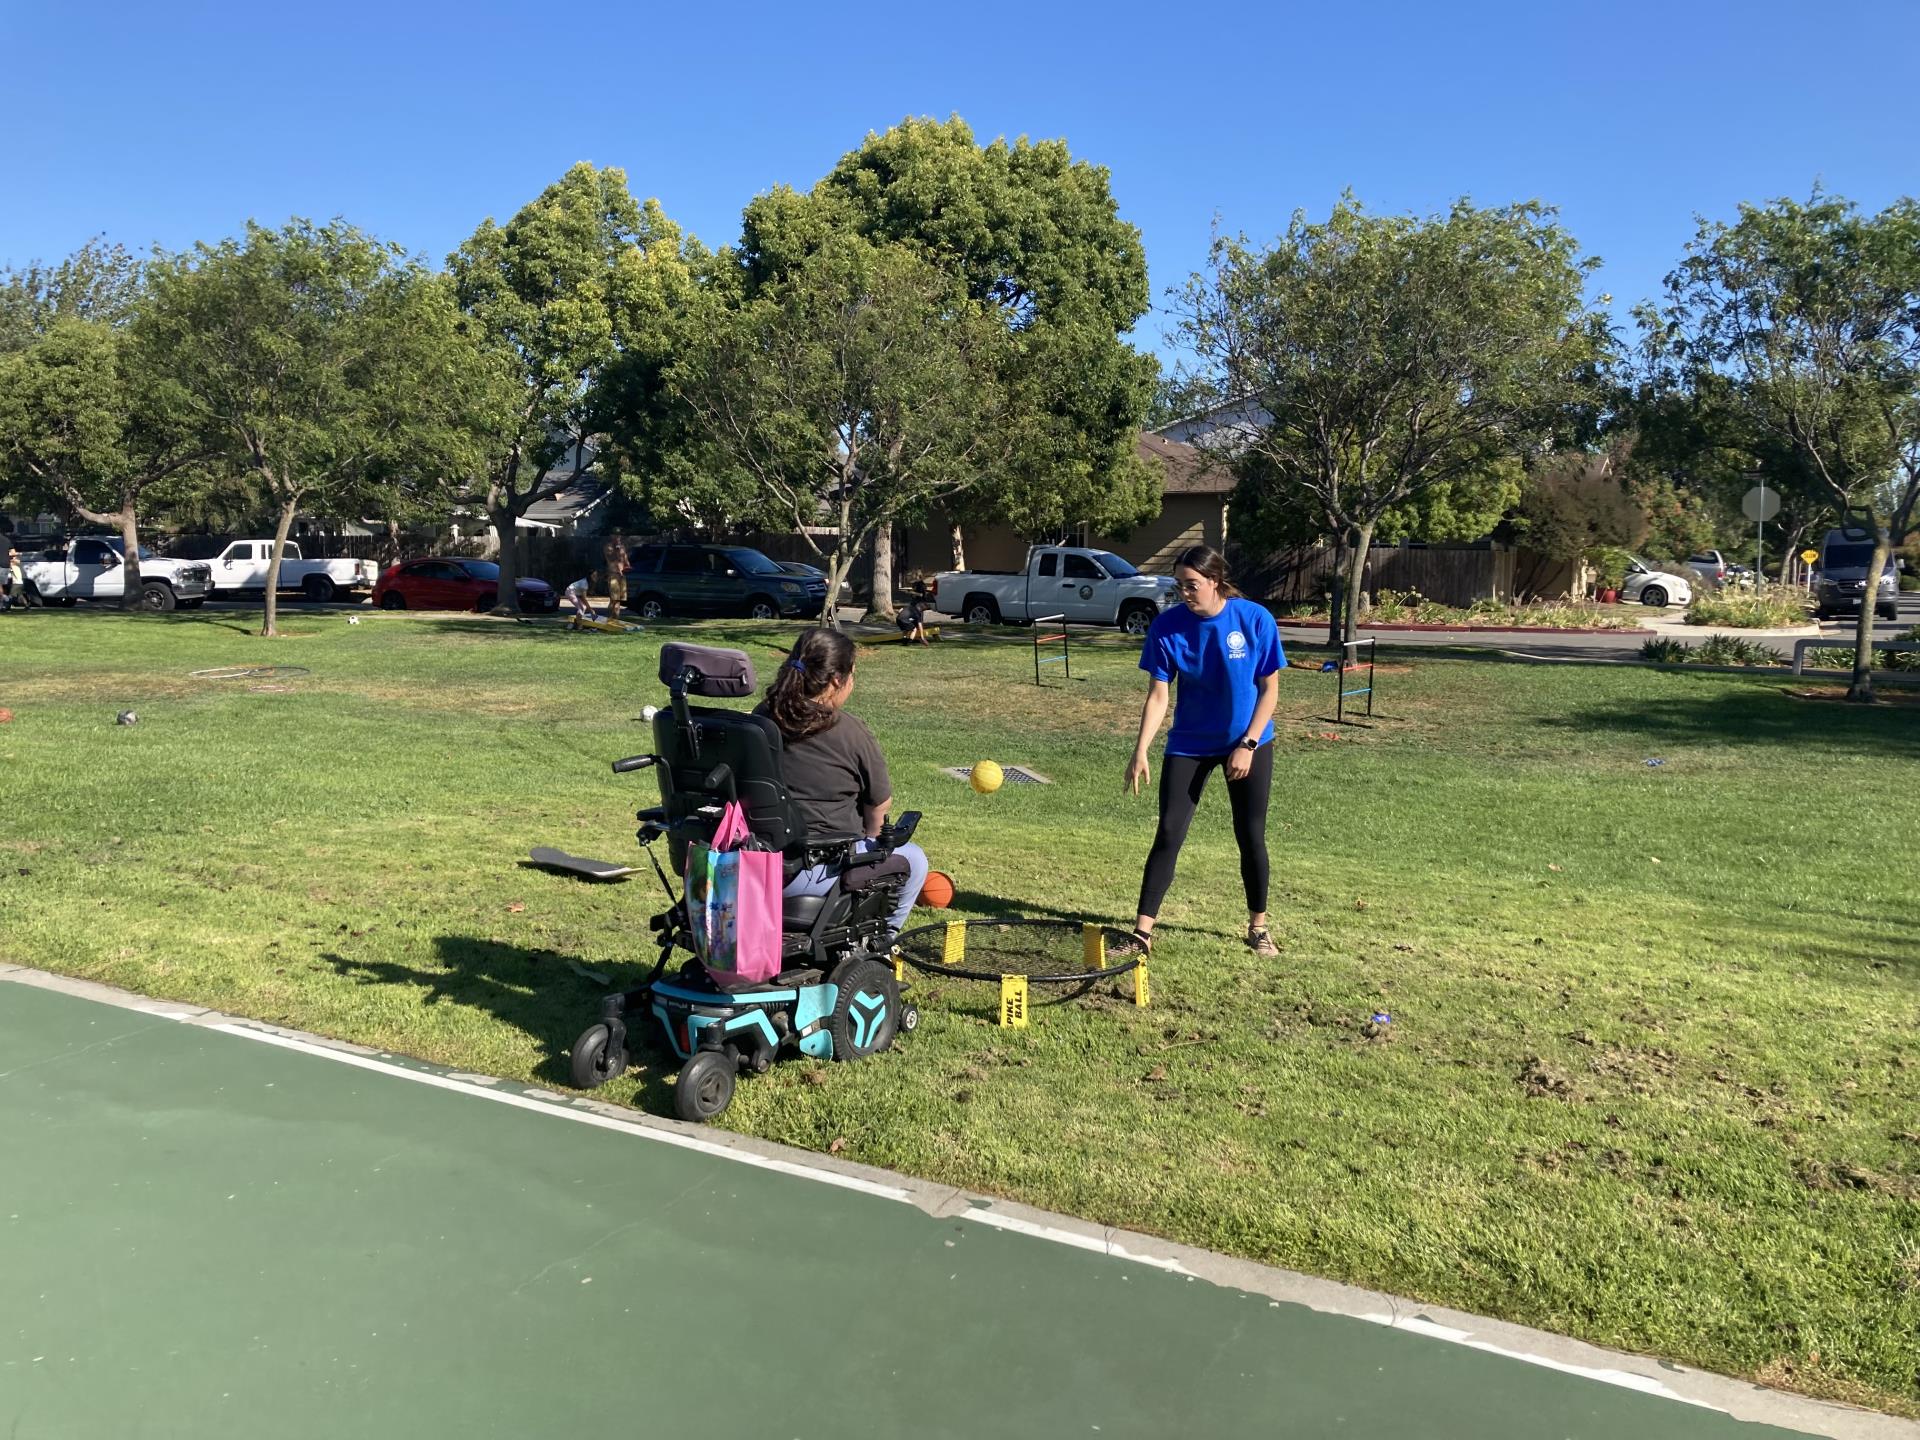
column 1216, row 666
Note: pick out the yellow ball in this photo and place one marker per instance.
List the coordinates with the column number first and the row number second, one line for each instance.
column 985, row 777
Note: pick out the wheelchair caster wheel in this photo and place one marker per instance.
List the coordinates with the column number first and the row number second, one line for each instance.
column 595, row 1058
column 705, row 1087
column 909, row 1019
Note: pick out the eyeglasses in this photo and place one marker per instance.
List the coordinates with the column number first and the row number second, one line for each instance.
column 1188, row 587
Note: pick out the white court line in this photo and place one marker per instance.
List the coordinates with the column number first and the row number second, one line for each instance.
column 1625, row 1379
column 584, row 1117
column 1095, row 1243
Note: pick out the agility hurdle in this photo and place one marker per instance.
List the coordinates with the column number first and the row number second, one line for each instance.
column 1065, row 657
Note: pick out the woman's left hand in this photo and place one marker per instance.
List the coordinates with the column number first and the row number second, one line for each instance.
column 1239, row 763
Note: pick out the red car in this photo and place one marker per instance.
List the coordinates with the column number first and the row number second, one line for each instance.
column 454, row 584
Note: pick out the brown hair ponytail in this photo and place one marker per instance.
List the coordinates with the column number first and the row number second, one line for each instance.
column 820, row 659
column 1210, row 563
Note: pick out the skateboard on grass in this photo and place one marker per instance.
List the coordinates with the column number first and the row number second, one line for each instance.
column 579, row 865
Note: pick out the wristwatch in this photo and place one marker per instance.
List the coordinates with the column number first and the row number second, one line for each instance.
column 1249, row 742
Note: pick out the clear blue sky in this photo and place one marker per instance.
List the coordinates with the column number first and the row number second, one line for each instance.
column 172, row 123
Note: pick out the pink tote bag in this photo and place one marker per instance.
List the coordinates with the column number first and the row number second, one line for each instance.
column 734, row 903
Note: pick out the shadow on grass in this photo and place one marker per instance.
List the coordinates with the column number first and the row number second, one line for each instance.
column 1756, row 716
column 534, row 991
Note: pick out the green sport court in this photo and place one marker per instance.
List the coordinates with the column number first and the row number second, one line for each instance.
column 209, row 1228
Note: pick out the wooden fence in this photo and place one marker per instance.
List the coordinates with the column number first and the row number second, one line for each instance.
column 1450, row 574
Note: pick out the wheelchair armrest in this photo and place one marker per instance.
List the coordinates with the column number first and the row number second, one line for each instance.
column 900, row 832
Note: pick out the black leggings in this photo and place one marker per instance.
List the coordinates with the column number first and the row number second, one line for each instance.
column 1182, row 779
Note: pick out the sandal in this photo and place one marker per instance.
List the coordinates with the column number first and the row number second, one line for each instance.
column 1260, row 941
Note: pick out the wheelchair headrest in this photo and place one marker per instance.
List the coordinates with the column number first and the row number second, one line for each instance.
column 717, row 674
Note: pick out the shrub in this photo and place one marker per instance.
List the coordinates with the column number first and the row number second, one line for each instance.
column 1771, row 607
column 1666, row 651
column 1902, row 659
column 1833, row 657
column 1909, row 581
column 1734, row 650
column 1609, row 564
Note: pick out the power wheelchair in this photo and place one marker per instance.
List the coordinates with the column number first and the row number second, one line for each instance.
column 836, row 996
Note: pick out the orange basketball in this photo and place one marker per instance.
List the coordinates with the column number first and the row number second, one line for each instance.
column 937, row 893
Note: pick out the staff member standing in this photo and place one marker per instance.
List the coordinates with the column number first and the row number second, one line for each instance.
column 1223, row 653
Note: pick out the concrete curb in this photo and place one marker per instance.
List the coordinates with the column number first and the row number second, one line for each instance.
column 1743, row 1400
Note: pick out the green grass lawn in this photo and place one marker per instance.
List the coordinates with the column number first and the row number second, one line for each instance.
column 1653, row 1076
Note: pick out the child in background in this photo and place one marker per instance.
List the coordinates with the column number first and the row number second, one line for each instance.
column 913, row 616
column 576, row 594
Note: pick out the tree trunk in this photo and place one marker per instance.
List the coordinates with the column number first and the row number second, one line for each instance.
column 390, row 547
column 1861, row 690
column 880, row 605
column 959, row 549
column 1787, row 555
column 506, row 600
column 289, row 507
column 1355, row 579
column 130, row 596
column 1335, row 605
column 839, row 563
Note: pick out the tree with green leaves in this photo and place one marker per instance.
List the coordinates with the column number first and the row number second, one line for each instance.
column 313, row 356
column 1401, row 365
column 1032, row 239
column 88, row 421
column 580, row 279
column 852, row 387
column 1807, row 317
column 98, row 282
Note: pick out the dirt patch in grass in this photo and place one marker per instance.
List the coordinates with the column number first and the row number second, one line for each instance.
column 1882, row 694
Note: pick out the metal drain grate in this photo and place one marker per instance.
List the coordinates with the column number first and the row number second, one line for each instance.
column 1014, row 774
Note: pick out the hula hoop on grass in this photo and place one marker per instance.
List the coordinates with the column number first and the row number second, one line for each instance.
column 249, row 672
column 1040, row 950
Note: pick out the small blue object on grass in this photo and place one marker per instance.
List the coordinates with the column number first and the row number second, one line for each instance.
column 1656, row 760
column 1327, row 665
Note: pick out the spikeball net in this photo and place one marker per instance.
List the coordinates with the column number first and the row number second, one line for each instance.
column 1019, row 955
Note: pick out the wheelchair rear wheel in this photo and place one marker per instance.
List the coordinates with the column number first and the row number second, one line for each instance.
column 866, row 1012
column 705, row 1086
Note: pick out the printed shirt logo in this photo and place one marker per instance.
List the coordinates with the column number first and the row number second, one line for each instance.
column 1236, row 646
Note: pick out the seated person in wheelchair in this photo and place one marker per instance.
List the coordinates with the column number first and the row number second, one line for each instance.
column 831, row 764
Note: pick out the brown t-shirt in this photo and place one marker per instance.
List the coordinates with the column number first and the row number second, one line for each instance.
column 832, row 775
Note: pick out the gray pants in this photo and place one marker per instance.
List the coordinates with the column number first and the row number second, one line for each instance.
column 819, row 879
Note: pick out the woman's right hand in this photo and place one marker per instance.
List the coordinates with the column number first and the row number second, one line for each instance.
column 1137, row 774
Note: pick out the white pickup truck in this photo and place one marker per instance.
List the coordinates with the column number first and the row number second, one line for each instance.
column 90, row 568
column 242, row 568
column 1087, row 587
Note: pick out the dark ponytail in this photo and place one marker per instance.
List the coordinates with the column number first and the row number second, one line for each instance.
column 1210, row 563
column 819, row 660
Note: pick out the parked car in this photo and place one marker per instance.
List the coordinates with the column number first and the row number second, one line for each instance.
column 1845, row 557
column 91, row 567
column 1658, row 588
column 454, row 584
column 241, row 567
column 1089, row 587
column 1710, row 568
column 802, row 569
column 667, row 580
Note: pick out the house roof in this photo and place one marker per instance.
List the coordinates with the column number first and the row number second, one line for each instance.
column 563, row 499
column 1187, row 469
